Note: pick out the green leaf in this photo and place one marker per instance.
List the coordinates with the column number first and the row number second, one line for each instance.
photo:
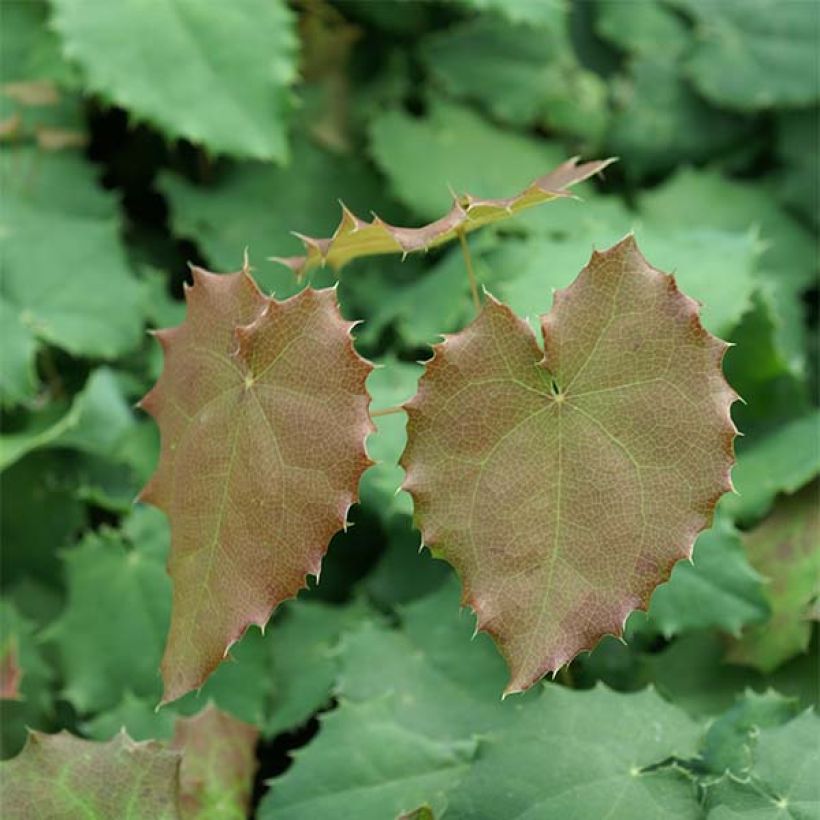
column 758, row 367
column 218, row 765
column 269, row 375
column 18, row 380
column 109, row 637
column 33, row 105
column 26, row 699
column 638, row 28
column 522, row 74
column 304, row 649
column 730, row 742
column 796, row 141
column 714, row 267
column 718, row 590
column 785, row 550
column 404, row 572
column 355, row 237
column 583, row 754
column 660, row 123
column 65, row 776
column 693, row 673
column 445, row 684
column 137, row 716
column 74, row 291
column 41, row 481
column 96, row 421
column 421, row 157
column 788, row 262
column 364, row 764
column 782, row 782
column 519, row 459
column 389, row 385
column 219, row 80
column 541, row 12
column 756, row 55
column 255, row 206
column 781, row 462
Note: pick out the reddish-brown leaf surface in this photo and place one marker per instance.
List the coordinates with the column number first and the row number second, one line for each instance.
column 66, row 776
column 218, row 764
column 10, row 672
column 785, row 549
column 263, row 414
column 564, row 484
column 355, row 237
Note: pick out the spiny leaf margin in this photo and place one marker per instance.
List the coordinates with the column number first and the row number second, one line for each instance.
column 420, row 480
column 355, row 237
column 229, row 315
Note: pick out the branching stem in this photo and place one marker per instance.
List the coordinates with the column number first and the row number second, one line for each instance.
column 468, row 261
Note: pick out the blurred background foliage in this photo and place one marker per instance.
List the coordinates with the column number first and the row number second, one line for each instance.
column 138, row 137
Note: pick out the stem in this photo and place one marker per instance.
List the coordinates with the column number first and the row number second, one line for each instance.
column 387, row 411
column 468, row 261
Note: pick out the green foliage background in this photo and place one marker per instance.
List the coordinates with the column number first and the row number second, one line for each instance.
column 139, row 136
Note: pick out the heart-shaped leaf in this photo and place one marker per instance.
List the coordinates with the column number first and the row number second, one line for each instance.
column 263, row 413
column 564, row 484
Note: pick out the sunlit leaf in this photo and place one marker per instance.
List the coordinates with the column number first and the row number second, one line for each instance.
column 222, row 81
column 754, row 55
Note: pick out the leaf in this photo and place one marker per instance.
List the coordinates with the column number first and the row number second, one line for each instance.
column 511, row 464
column 33, row 105
column 788, row 262
column 796, row 134
column 693, row 673
column 304, row 649
column 157, row 64
column 218, row 764
column 97, row 419
column 365, row 765
column 752, row 56
column 638, row 28
column 785, row 549
column 109, row 636
column 444, row 684
column 18, row 380
column 390, row 384
column 781, row 462
column 422, row 156
column 660, row 123
column 545, row 12
column 730, row 741
column 74, row 291
column 783, row 782
column 772, row 384
column 725, row 288
column 61, row 776
column 41, row 481
column 355, row 237
column 525, row 74
column 277, row 418
column 25, row 680
column 403, row 573
column 583, row 754
column 255, row 205
column 718, row 590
